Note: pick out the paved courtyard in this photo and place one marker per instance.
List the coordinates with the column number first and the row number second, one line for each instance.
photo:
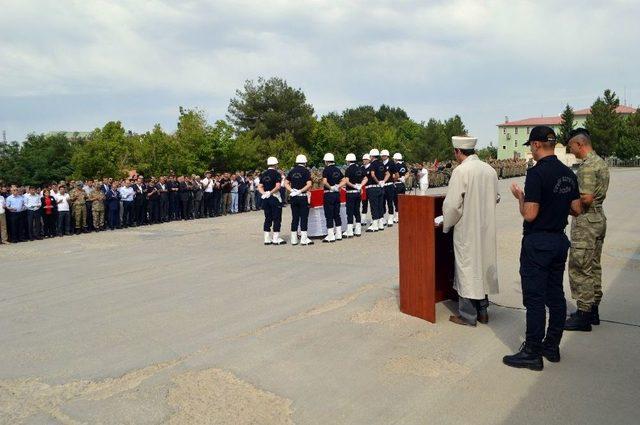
column 198, row 322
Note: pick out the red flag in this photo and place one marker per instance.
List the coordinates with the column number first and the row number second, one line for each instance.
column 435, row 164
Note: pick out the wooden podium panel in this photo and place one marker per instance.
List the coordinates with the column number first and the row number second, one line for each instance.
column 426, row 256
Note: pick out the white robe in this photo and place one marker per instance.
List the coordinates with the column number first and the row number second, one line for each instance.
column 470, row 208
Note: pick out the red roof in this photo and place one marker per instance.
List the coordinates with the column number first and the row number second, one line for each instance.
column 533, row 122
column 622, row 109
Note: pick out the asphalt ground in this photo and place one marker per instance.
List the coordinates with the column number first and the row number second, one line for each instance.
column 198, row 322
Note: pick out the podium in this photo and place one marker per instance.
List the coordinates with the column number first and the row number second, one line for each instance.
column 426, row 257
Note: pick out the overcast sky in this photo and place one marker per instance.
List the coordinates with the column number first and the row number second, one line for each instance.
column 74, row 65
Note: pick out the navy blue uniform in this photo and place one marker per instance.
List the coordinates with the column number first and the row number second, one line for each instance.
column 389, row 188
column 298, row 178
column 356, row 174
column 375, row 193
column 332, row 199
column 401, row 169
column 272, row 206
column 553, row 186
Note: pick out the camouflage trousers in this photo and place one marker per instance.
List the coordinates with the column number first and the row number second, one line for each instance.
column 80, row 216
column 98, row 218
column 585, row 270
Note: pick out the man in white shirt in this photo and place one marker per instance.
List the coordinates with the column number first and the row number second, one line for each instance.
column 424, row 179
column 64, row 216
column 32, row 204
column 207, row 199
column 126, row 196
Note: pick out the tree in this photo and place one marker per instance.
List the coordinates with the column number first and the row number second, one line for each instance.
column 490, row 152
column 388, row 113
column 270, row 108
column 629, row 145
column 604, row 123
column 362, row 115
column 454, row 127
column 12, row 170
column 566, row 124
column 328, row 136
column 105, row 153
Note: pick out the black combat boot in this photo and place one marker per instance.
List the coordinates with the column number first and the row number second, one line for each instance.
column 581, row 321
column 528, row 357
column 550, row 351
column 595, row 315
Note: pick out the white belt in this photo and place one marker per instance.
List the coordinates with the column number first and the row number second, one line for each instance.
column 388, row 184
column 353, row 191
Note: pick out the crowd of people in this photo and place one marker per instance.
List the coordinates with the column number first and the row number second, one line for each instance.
column 64, row 208
column 60, row 208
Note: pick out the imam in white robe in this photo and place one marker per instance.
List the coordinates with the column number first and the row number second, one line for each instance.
column 470, row 209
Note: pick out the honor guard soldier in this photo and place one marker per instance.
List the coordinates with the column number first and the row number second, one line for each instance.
column 401, row 171
column 298, row 183
column 376, row 181
column 389, row 189
column 587, row 233
column 366, row 162
column 332, row 181
column 355, row 179
column 269, row 188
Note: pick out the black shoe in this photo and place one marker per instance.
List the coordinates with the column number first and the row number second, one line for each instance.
column 581, row 321
column 526, row 358
column 550, row 351
column 595, row 315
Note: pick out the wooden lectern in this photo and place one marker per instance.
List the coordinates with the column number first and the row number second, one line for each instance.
column 426, row 257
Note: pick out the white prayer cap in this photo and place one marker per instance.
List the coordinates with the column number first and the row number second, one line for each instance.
column 464, row 142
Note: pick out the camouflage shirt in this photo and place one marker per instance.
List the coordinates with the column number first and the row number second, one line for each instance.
column 593, row 178
column 78, row 197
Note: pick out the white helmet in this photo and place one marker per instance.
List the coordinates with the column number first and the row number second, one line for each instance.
column 374, row 152
column 328, row 157
column 366, row 156
column 301, row 159
column 397, row 156
column 272, row 160
column 350, row 157
column 384, row 152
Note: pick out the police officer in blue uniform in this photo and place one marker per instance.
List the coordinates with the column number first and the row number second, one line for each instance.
column 550, row 195
column 377, row 180
column 332, row 181
column 389, row 189
column 401, row 171
column 355, row 178
column 269, row 189
column 298, row 183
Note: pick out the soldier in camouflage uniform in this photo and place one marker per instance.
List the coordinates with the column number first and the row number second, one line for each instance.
column 78, row 199
column 97, row 207
column 587, row 234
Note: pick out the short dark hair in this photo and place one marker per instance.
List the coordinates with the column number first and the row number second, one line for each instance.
column 467, row 152
column 583, row 133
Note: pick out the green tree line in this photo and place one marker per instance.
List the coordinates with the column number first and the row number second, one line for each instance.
column 266, row 117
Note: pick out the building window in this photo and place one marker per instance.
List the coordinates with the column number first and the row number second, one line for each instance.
column 516, row 130
column 516, row 143
column 504, row 148
column 527, row 130
column 504, row 130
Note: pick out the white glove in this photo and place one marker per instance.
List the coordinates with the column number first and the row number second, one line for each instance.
column 402, row 179
column 381, row 183
column 335, row 188
column 358, row 186
column 294, row 192
column 266, row 195
column 438, row 220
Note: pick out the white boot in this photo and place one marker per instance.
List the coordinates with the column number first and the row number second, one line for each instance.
column 338, row 233
column 267, row 238
column 331, row 236
column 294, row 238
column 390, row 220
column 277, row 240
column 349, row 232
column 373, row 227
column 304, row 239
column 358, row 230
column 395, row 217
